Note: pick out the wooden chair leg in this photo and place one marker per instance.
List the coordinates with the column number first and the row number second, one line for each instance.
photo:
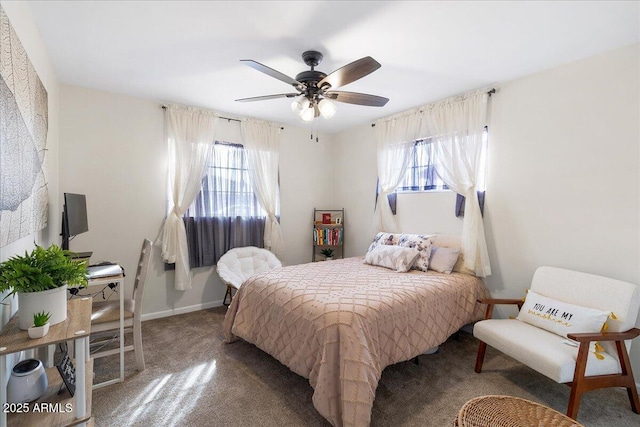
column 630, row 384
column 578, row 383
column 482, row 348
column 137, row 345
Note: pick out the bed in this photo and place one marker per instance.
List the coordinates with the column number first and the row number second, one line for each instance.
column 340, row 323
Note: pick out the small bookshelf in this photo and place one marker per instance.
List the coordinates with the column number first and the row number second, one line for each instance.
column 328, row 233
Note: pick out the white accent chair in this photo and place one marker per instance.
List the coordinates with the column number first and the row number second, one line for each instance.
column 238, row 264
column 550, row 354
column 105, row 316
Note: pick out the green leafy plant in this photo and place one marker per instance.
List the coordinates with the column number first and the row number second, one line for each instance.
column 328, row 253
column 40, row 270
column 41, row 319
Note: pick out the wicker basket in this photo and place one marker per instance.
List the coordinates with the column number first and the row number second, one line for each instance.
column 509, row 411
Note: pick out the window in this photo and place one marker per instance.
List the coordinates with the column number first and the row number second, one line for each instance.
column 226, row 212
column 227, row 191
column 421, row 174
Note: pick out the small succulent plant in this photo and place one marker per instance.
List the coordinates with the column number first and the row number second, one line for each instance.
column 41, row 319
column 328, row 253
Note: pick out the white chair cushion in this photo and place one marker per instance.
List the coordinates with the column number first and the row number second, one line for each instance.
column 541, row 350
column 238, row 264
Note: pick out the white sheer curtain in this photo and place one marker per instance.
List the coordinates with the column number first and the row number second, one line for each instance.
column 191, row 135
column 261, row 141
column 395, row 136
column 456, row 127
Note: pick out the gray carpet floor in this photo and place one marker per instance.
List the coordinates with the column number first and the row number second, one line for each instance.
column 193, row 379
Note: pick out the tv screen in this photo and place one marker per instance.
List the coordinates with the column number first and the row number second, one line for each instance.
column 75, row 211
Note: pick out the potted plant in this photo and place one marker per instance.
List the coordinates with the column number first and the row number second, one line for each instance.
column 40, row 279
column 328, row 254
column 40, row 326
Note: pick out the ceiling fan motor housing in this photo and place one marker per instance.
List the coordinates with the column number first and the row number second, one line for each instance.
column 312, row 58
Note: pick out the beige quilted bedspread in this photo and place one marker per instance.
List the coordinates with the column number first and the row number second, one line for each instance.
column 340, row 323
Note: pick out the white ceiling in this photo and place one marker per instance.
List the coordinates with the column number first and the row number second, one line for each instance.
column 188, row 52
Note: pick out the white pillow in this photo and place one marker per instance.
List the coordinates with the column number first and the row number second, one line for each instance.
column 443, row 259
column 393, row 257
column 560, row 317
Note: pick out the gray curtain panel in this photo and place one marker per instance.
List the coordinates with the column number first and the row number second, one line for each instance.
column 460, row 204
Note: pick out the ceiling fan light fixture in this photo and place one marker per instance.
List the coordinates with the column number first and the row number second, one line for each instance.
column 308, row 114
column 327, row 108
column 300, row 104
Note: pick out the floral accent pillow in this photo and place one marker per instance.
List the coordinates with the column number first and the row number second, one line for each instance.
column 419, row 241
column 383, row 238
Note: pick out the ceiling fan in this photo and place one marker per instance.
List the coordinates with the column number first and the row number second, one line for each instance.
column 316, row 89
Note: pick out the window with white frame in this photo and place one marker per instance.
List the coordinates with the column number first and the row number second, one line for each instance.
column 226, row 212
column 227, row 191
column 421, row 174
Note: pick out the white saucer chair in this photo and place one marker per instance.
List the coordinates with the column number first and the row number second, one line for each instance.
column 238, row 264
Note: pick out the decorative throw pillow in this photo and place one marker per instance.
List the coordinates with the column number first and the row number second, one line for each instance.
column 560, row 317
column 393, row 257
column 420, row 242
column 384, row 239
column 443, row 259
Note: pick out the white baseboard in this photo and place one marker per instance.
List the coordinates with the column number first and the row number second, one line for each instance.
column 181, row 310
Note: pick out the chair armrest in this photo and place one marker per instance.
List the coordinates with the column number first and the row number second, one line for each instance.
column 493, row 301
column 605, row 336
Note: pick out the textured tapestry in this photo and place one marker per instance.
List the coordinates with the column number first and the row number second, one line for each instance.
column 23, row 138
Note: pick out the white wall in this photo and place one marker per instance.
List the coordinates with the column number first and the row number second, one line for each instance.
column 22, row 21
column 563, row 186
column 113, row 150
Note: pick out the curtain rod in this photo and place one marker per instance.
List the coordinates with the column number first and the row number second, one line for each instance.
column 491, row 92
column 229, row 119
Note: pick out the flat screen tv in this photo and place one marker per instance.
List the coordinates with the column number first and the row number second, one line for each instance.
column 74, row 217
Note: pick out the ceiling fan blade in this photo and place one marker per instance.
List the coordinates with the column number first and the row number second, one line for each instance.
column 351, row 72
column 271, row 72
column 265, row 97
column 357, row 98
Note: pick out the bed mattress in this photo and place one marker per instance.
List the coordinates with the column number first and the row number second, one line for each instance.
column 340, row 323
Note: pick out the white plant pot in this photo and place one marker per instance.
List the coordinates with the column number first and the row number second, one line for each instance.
column 53, row 301
column 38, row 331
column 330, row 258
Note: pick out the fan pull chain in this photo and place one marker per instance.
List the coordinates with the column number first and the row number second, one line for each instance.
column 314, row 129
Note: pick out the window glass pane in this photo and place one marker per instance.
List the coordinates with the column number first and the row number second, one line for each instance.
column 226, row 187
column 421, row 175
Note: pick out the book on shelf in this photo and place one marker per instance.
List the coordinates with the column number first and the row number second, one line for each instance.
column 328, row 236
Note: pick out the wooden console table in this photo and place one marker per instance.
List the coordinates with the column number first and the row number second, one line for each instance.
column 76, row 327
